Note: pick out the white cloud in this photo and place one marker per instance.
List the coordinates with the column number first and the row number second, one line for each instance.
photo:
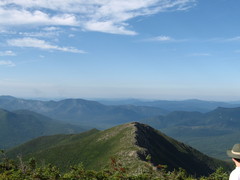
column 200, row 54
column 237, row 38
column 7, row 63
column 7, row 53
column 224, row 39
column 41, row 44
column 161, row 39
column 40, row 34
column 52, row 28
column 13, row 17
column 109, row 27
column 109, row 16
column 71, row 35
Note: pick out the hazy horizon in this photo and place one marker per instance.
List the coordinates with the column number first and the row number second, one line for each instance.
column 116, row 99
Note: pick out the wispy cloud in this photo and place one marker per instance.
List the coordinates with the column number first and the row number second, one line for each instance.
column 161, row 39
column 51, row 28
column 7, row 53
column 237, row 38
column 13, row 17
column 200, row 54
column 41, row 44
column 109, row 16
column 223, row 39
column 40, row 34
column 71, row 35
column 7, row 63
column 164, row 38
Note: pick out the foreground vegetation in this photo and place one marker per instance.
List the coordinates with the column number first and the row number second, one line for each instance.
column 19, row 170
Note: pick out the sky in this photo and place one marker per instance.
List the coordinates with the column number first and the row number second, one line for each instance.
column 145, row 49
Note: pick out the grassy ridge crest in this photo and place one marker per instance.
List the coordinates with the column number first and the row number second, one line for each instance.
column 131, row 143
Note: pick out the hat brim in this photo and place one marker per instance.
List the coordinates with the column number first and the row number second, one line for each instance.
column 230, row 154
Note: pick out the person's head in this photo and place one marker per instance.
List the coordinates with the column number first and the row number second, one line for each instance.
column 234, row 153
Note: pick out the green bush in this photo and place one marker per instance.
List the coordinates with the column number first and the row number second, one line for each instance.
column 10, row 170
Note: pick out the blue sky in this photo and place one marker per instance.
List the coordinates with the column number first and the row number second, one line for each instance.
column 148, row 49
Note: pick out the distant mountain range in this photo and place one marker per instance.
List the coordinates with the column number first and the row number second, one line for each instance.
column 95, row 114
column 22, row 125
column 212, row 132
column 169, row 106
column 130, row 143
column 82, row 112
column 220, row 118
column 199, row 129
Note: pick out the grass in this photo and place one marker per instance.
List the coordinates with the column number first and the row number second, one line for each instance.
column 93, row 148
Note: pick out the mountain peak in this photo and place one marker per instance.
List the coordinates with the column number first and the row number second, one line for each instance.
column 165, row 150
column 7, row 97
column 131, row 143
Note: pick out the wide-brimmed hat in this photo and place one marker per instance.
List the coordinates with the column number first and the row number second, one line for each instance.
column 234, row 152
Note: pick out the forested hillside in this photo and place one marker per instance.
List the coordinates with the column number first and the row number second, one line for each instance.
column 22, row 125
column 221, row 125
column 133, row 144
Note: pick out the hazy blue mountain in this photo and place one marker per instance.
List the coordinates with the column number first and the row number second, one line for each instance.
column 184, row 105
column 20, row 126
column 83, row 112
column 131, row 143
column 120, row 101
column 220, row 118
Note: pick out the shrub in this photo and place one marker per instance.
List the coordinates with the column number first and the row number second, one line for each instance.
column 10, row 170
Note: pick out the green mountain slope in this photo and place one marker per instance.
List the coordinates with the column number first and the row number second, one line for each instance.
column 131, row 143
column 21, row 126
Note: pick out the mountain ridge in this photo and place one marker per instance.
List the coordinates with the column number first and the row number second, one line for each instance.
column 82, row 112
column 174, row 105
column 131, row 143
